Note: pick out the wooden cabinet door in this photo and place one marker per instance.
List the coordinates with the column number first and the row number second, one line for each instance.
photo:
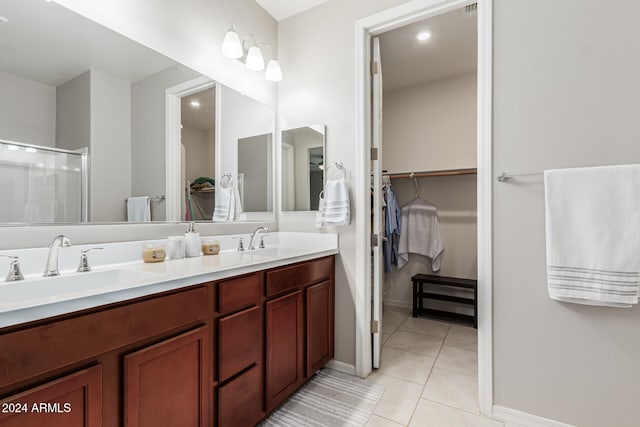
column 71, row 401
column 319, row 308
column 167, row 384
column 284, row 347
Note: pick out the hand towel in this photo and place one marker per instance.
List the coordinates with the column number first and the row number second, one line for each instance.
column 420, row 233
column 593, row 234
column 138, row 209
column 336, row 209
column 224, row 201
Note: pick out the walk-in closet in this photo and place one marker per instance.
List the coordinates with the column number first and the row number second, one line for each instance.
column 428, row 203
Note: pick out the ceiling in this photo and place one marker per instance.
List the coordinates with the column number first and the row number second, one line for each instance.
column 283, row 9
column 54, row 45
column 451, row 50
column 202, row 117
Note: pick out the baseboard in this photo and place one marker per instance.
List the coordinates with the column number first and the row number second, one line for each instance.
column 345, row 368
column 524, row 419
column 397, row 303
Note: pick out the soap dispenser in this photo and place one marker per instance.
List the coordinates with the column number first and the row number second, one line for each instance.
column 192, row 241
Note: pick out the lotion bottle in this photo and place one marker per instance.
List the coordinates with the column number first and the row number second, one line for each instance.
column 191, row 241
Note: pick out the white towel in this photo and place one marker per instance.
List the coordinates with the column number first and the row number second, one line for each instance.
column 593, row 234
column 228, row 206
column 336, row 208
column 224, row 201
column 420, row 233
column 139, row 209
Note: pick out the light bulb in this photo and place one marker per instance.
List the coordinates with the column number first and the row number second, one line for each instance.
column 255, row 61
column 231, row 45
column 273, row 72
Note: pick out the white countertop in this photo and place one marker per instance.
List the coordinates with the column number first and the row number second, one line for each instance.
column 37, row 298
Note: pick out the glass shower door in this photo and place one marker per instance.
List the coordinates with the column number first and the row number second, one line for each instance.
column 42, row 184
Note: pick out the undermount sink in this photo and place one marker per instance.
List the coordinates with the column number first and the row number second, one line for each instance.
column 33, row 292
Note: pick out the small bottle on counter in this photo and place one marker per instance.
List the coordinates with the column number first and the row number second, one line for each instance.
column 191, row 241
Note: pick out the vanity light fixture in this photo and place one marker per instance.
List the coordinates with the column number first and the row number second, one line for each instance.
column 231, row 45
column 248, row 47
column 424, row 35
column 254, row 61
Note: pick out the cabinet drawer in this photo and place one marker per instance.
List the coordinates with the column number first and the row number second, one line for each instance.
column 239, row 401
column 239, row 342
column 21, row 352
column 236, row 294
column 290, row 277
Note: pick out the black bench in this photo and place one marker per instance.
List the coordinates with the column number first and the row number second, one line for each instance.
column 419, row 294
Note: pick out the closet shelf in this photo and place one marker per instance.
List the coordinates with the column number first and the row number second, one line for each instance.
column 426, row 174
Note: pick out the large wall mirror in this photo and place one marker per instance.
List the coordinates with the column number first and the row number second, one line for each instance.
column 85, row 128
column 302, row 167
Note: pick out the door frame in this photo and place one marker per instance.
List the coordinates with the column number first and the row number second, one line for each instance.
column 406, row 13
column 173, row 122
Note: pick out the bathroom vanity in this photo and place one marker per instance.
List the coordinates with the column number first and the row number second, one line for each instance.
column 219, row 352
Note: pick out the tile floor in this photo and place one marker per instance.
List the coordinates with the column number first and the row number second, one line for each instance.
column 430, row 372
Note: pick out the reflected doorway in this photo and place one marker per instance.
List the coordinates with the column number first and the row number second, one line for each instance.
column 197, row 159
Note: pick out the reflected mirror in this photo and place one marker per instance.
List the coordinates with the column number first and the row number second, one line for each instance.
column 303, row 154
column 72, row 86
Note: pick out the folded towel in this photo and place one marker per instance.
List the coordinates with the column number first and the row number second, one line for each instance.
column 139, row 209
column 336, row 208
column 593, row 235
column 420, row 233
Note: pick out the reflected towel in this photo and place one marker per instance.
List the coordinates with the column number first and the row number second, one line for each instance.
column 139, row 209
column 224, row 201
column 593, row 235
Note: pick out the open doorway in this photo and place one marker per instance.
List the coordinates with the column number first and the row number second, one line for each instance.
column 367, row 29
column 198, row 139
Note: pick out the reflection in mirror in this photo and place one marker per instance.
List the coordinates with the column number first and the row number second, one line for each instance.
column 96, row 90
column 302, row 167
column 255, row 155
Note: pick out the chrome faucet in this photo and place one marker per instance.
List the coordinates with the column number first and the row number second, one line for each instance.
column 265, row 230
column 52, row 261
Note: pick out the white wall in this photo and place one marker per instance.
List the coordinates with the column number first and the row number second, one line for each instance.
column 198, row 153
column 238, row 117
column 73, row 118
column 110, row 170
column 316, row 52
column 191, row 32
column 564, row 96
column 28, row 111
column 435, row 123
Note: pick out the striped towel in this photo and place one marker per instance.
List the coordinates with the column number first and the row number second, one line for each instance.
column 335, row 209
column 593, row 235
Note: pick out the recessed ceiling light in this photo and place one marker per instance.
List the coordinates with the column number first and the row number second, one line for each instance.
column 194, row 104
column 423, row 35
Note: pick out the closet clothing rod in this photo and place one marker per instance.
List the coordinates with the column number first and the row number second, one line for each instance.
column 426, row 174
